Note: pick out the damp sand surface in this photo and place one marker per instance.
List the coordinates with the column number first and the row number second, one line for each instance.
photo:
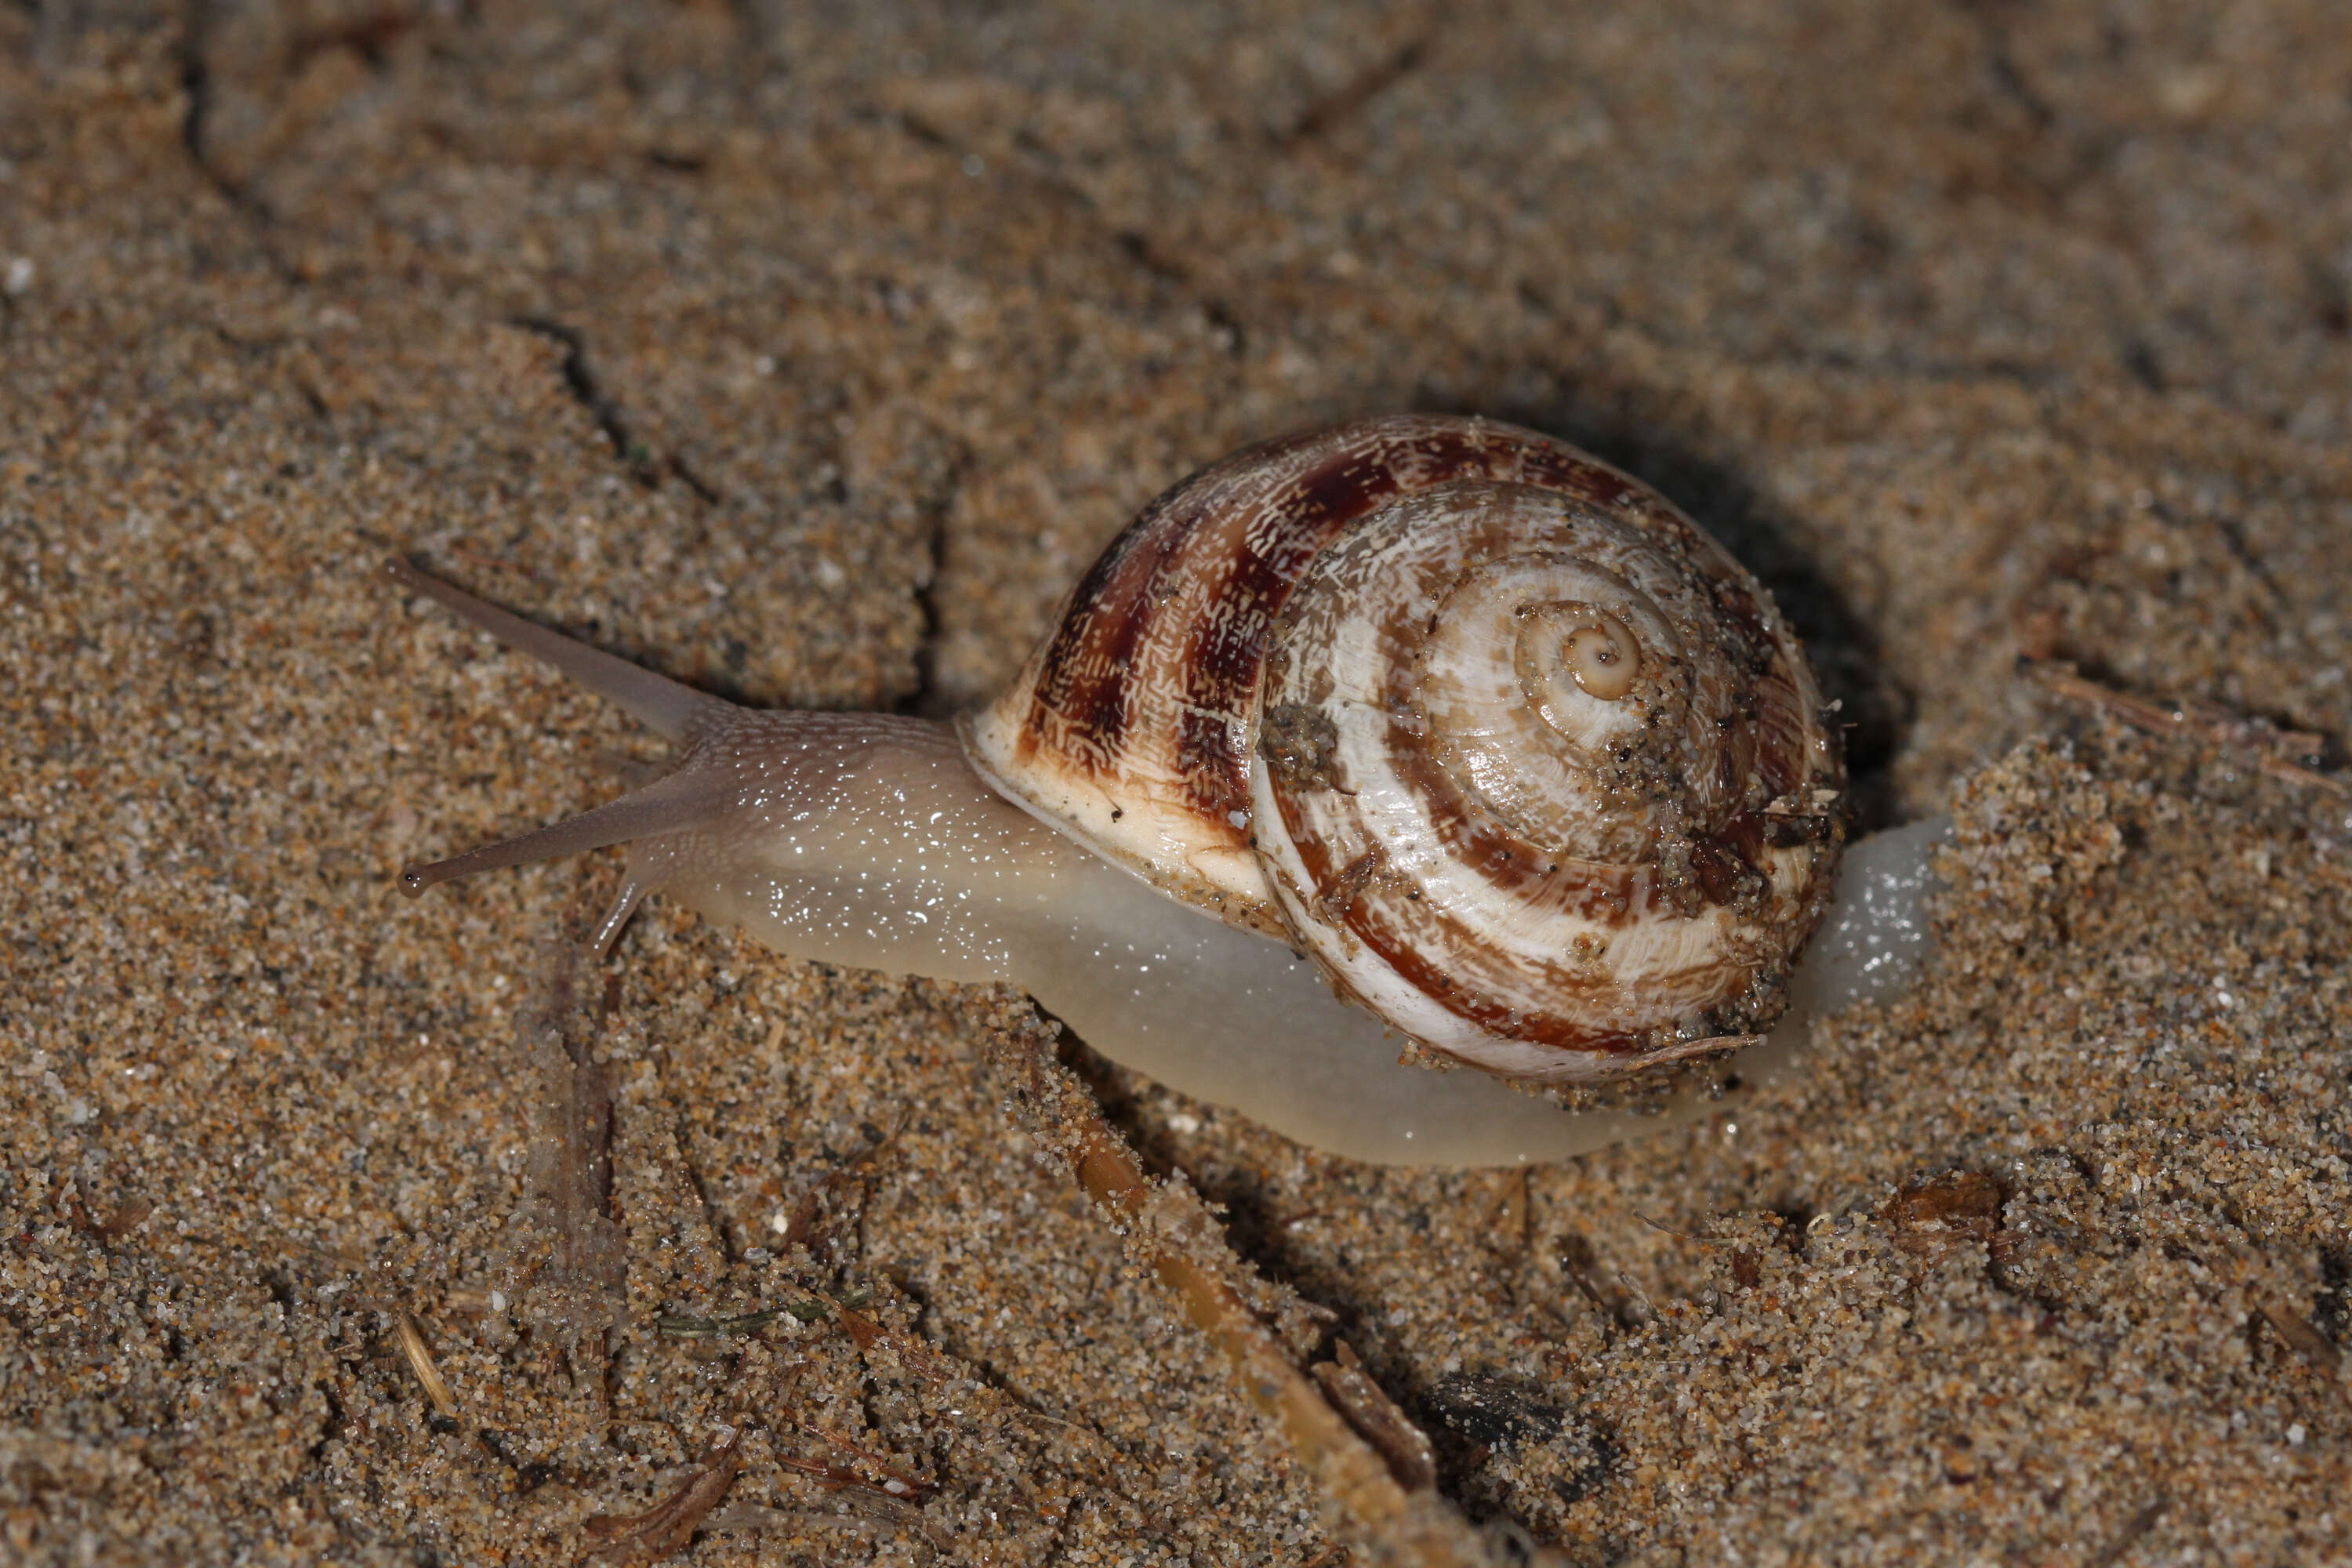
column 809, row 357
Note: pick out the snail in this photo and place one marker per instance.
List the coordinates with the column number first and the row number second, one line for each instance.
column 1417, row 726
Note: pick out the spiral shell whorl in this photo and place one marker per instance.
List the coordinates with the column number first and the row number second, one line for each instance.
column 1531, row 764
column 1519, row 761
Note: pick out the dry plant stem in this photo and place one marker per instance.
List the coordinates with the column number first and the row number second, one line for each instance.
column 2241, row 1266
column 2268, row 747
column 420, row 1362
column 669, row 1525
column 1377, row 1419
column 1168, row 1226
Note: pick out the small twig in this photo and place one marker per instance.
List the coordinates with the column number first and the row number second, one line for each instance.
column 831, row 1476
column 895, row 1481
column 1377, row 1419
column 2269, row 747
column 2302, row 1336
column 1080, row 1427
column 1332, row 107
column 857, row 1490
column 682, row 1328
column 420, row 1362
column 669, row 1525
column 1637, row 1310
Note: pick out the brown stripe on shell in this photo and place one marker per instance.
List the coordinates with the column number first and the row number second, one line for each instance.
column 1416, row 964
column 1410, row 934
column 1081, row 685
column 1092, row 652
column 1439, row 956
column 1226, row 546
column 1505, row 989
column 1451, row 961
column 1785, row 718
column 1783, row 727
column 1610, row 896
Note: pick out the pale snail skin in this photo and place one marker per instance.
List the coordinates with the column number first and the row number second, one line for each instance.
column 1137, row 783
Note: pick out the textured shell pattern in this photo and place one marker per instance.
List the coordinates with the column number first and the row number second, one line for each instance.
column 1526, row 761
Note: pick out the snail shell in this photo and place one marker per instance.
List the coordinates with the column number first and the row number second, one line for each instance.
column 1527, row 763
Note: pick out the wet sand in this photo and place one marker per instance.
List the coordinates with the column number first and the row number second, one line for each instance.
column 809, row 357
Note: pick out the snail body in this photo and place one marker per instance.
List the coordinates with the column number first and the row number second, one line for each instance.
column 1421, row 723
